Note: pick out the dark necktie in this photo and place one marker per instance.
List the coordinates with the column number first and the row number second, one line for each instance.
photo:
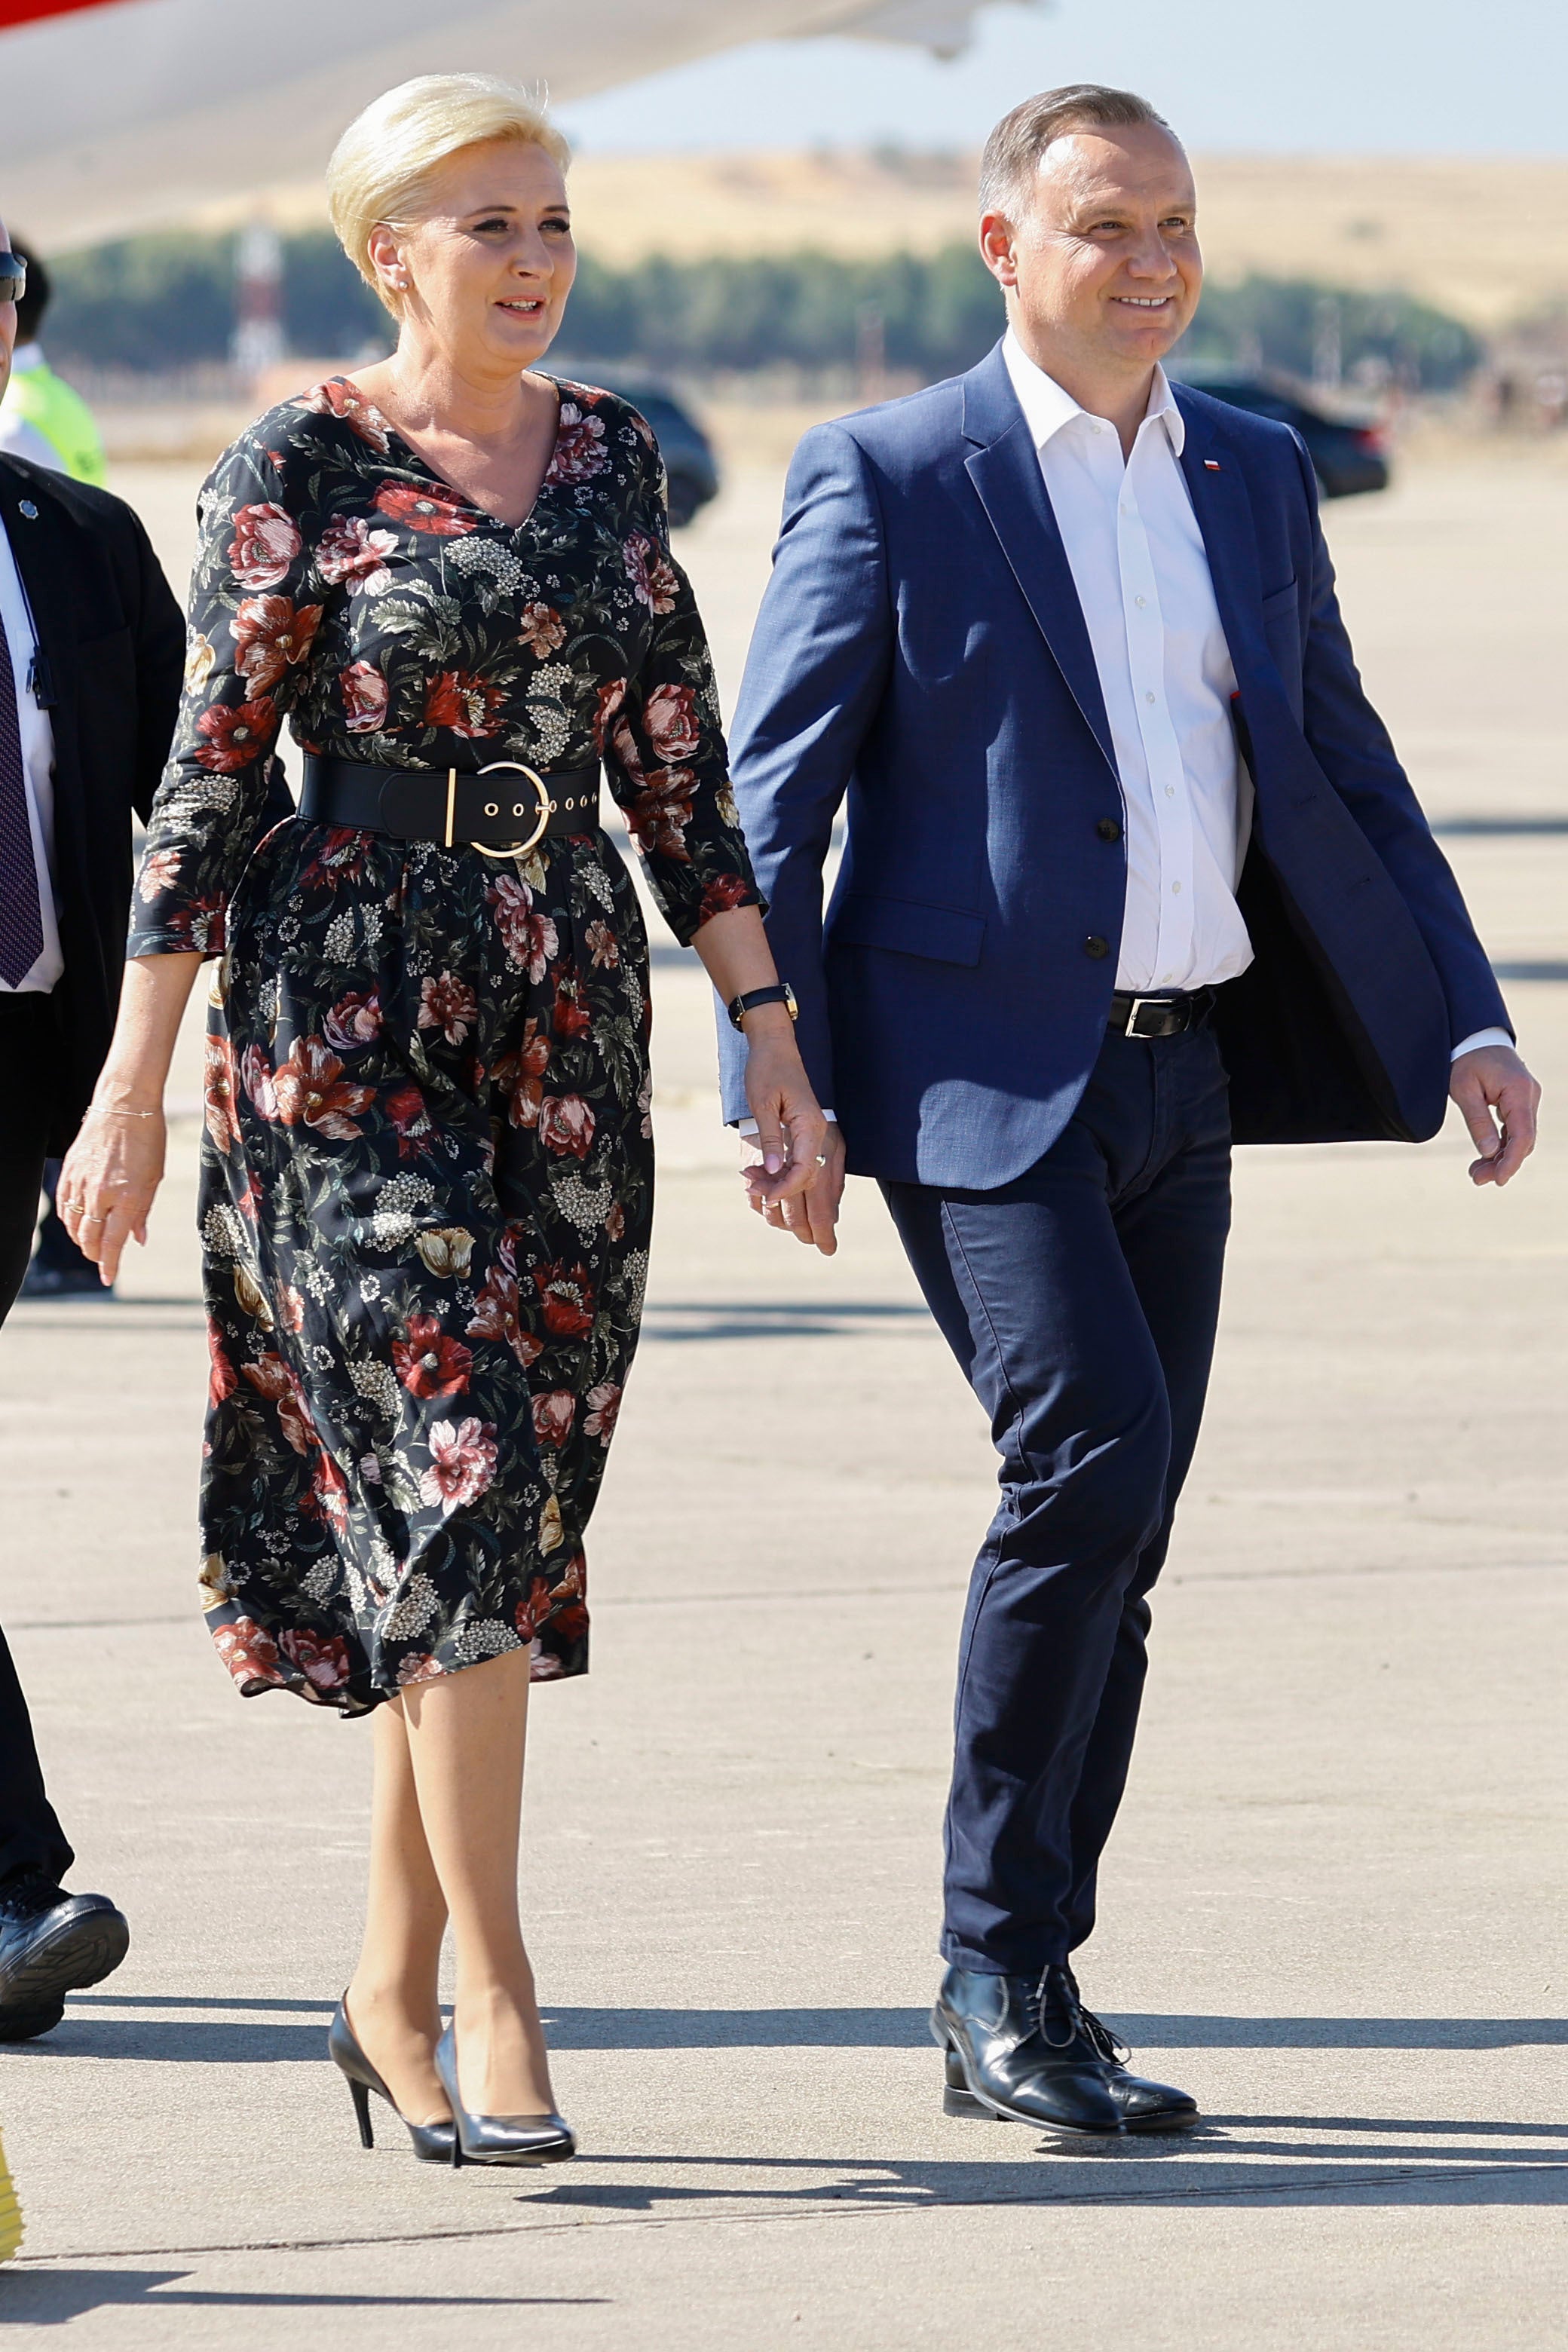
column 21, row 918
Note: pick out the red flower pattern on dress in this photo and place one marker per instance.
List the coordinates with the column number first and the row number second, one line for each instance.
column 339, row 397
column 410, row 1119
column 566, row 1295
column 218, row 1087
column 580, row 451
column 496, row 1317
column 222, row 1379
column 321, row 1658
column 610, row 698
column 725, row 890
column 159, row 871
column 468, row 704
column 520, row 1075
column 553, row 1415
column 462, row 1463
column 652, row 574
column 566, row 1126
column 309, row 1088
column 351, row 554
column 427, row 1363
column 249, row 1654
column 571, row 1016
column 669, row 714
column 436, row 509
column 273, row 634
column 661, row 811
column 266, row 542
column 531, row 941
column 604, row 1402
column 543, row 631
column 448, row 1004
column 235, row 735
column 364, row 692
column 603, row 951
column 353, row 1021
column 279, row 1381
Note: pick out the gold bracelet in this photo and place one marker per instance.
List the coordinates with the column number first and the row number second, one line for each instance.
column 107, row 1110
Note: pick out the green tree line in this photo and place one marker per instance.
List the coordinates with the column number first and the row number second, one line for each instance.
column 167, row 302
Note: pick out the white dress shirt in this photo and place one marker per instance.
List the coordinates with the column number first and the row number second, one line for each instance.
column 37, row 767
column 1141, row 573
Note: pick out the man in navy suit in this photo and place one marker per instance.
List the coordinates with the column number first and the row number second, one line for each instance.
column 1131, row 870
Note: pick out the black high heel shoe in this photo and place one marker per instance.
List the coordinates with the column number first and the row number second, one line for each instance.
column 433, row 2143
column 498, row 2139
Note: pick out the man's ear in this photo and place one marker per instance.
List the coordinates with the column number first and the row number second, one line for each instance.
column 996, row 249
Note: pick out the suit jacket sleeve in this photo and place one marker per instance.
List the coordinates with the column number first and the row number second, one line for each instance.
column 815, row 678
column 159, row 631
column 1352, row 746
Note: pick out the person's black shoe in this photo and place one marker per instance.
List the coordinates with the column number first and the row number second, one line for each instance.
column 51, row 1942
column 1019, row 2058
column 1144, row 2106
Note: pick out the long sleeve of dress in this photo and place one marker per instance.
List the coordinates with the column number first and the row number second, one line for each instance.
column 250, row 629
column 663, row 741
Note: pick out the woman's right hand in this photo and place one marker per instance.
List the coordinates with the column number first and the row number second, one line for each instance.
column 106, row 1185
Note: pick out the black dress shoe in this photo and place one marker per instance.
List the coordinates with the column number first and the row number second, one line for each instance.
column 51, row 1942
column 1018, row 2059
column 498, row 2139
column 432, row 2142
column 1144, row 2106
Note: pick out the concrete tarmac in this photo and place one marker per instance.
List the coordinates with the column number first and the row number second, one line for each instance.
column 1333, row 1905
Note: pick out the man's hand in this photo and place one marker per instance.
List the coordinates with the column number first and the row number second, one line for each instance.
column 1496, row 1092
column 812, row 1214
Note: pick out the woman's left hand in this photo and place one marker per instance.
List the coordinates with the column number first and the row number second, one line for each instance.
column 793, row 1166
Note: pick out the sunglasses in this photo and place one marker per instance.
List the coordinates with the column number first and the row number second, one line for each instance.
column 13, row 277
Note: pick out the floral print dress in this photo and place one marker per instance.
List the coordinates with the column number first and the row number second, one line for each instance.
column 428, row 1177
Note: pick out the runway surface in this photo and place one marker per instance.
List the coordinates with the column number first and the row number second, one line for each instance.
column 1332, row 1909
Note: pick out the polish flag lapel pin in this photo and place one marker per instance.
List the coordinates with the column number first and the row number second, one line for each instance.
column 1211, row 465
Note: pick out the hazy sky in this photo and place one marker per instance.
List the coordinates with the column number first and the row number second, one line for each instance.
column 1415, row 77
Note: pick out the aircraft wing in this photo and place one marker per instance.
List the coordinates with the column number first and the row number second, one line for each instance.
column 121, row 114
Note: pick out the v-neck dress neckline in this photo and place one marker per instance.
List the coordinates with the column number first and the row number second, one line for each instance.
column 433, row 474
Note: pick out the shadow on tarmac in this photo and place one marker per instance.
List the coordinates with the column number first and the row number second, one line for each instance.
column 243, row 2037
column 52, row 2298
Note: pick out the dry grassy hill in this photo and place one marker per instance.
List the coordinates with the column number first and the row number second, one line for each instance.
column 1485, row 239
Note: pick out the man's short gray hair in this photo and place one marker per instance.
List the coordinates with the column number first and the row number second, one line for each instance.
column 1014, row 150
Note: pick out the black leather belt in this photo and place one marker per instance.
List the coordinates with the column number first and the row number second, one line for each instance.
column 505, row 809
column 1160, row 1016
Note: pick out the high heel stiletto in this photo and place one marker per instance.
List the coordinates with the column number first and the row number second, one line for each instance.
column 498, row 2139
column 433, row 2143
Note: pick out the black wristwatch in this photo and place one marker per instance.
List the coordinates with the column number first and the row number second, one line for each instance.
column 781, row 993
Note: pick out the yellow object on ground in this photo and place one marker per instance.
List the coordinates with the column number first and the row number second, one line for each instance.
column 10, row 2211
column 58, row 411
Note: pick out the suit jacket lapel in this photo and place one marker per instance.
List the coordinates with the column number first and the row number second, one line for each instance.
column 1005, row 470
column 1219, row 499
column 34, row 539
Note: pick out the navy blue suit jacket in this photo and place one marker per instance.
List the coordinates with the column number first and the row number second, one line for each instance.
column 921, row 654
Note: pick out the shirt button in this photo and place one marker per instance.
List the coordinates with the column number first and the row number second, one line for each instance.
column 1177, row 889
column 1108, row 829
column 1170, row 792
column 1095, row 947
column 1140, row 601
column 1149, row 698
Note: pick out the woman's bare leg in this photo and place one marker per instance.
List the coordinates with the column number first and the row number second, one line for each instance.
column 466, row 1739
column 392, row 2000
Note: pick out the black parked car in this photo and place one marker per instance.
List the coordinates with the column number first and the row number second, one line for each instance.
column 1347, row 457
column 688, row 453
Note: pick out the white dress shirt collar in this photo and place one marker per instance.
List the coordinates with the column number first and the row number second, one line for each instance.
column 1048, row 408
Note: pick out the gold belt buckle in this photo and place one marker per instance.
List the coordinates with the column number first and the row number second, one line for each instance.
column 546, row 808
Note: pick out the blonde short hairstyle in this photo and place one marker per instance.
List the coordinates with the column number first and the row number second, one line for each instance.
column 380, row 171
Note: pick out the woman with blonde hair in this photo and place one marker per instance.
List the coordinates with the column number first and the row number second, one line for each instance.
column 427, row 1183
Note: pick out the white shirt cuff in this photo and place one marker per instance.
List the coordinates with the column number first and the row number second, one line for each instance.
column 749, row 1126
column 1481, row 1037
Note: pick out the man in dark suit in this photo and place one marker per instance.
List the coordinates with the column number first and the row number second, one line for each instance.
column 92, row 647
column 1131, row 870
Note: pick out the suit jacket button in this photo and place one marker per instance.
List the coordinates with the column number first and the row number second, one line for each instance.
column 1108, row 829
column 1096, row 947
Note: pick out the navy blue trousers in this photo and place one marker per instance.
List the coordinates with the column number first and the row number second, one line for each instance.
column 1082, row 1302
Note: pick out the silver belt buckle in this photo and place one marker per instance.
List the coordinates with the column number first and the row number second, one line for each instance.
column 1132, row 1029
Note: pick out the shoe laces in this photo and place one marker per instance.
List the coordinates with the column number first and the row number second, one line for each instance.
column 1106, row 2045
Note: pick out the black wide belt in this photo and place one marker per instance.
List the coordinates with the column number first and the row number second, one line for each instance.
column 503, row 810
column 1160, row 1016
